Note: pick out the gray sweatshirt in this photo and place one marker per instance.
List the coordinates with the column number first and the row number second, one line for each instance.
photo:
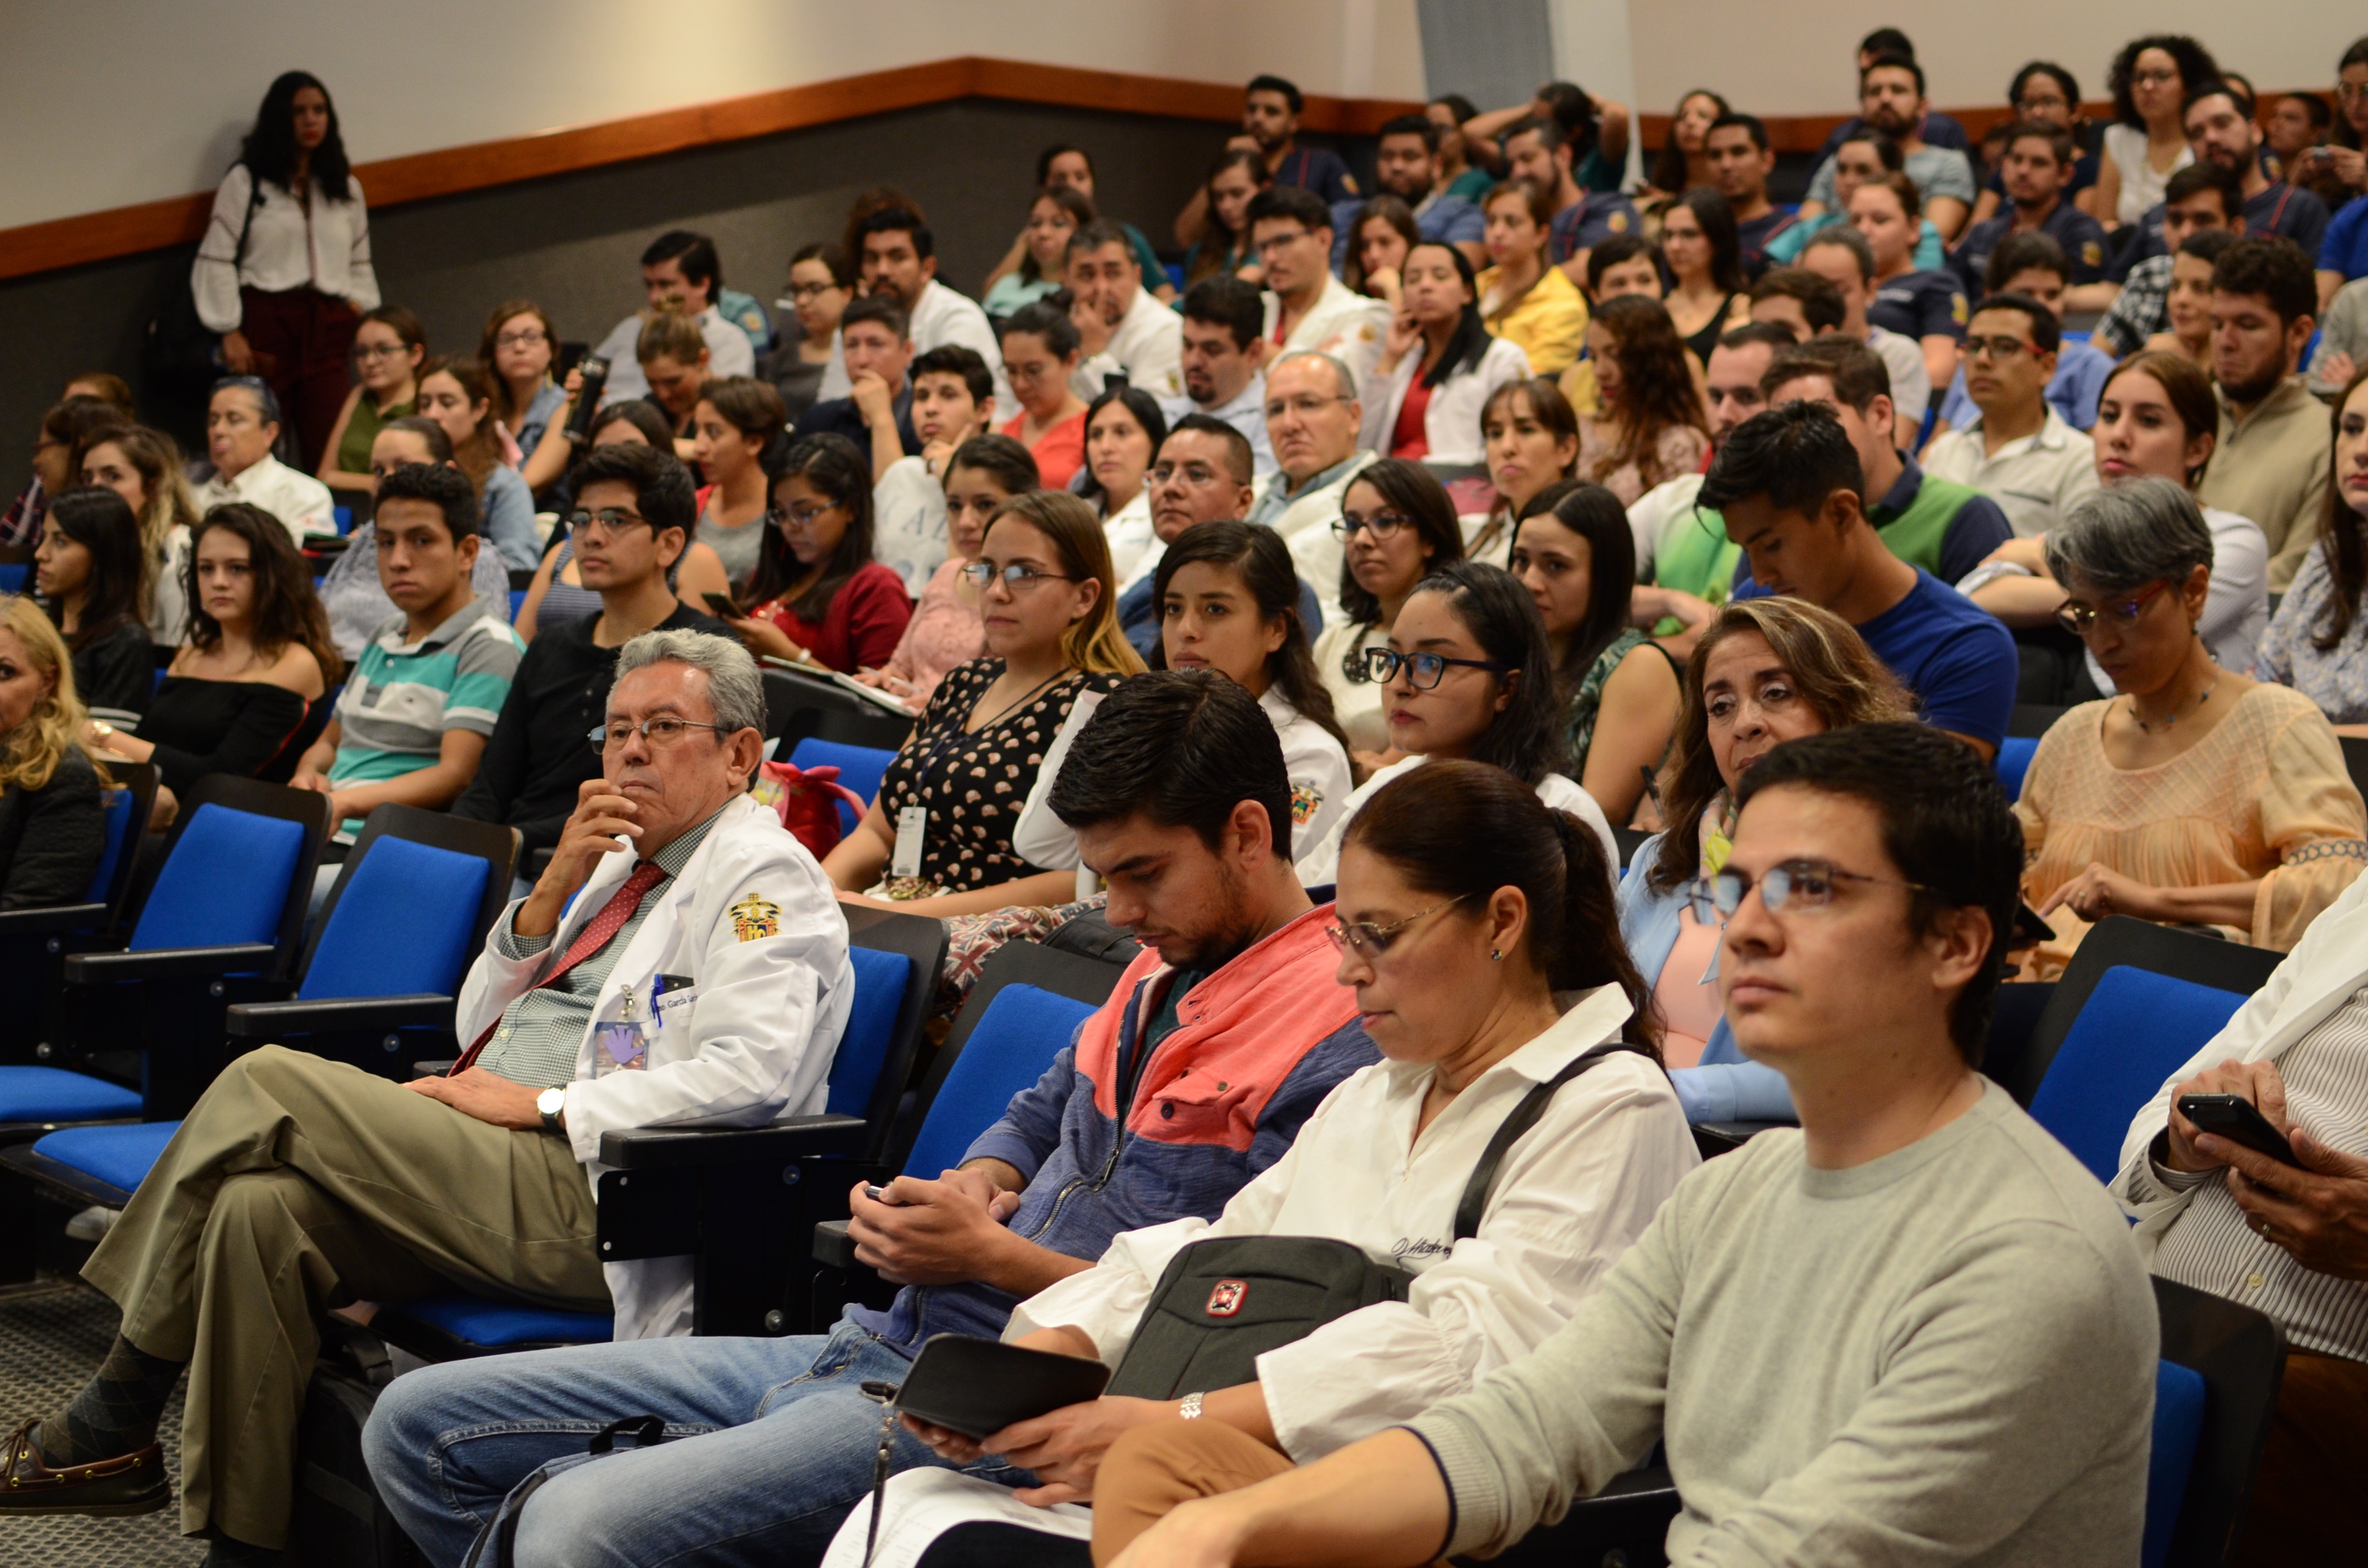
column 1944, row 1356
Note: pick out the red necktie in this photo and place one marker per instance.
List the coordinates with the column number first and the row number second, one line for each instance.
column 597, row 934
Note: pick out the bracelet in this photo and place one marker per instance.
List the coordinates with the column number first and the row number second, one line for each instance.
column 1190, row 1409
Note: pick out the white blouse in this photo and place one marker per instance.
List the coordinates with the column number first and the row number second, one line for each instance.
column 1320, row 867
column 2141, row 188
column 1450, row 424
column 1572, row 1194
column 301, row 502
column 289, row 246
column 1128, row 530
column 1356, row 704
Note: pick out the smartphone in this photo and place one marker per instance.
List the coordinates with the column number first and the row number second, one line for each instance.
column 587, row 397
column 2237, row 1118
column 722, row 605
column 874, row 1191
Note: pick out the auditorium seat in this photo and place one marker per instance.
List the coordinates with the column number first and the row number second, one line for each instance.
column 859, row 768
column 2134, row 1033
column 34, row 942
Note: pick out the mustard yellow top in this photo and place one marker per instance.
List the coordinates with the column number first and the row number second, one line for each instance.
column 1548, row 324
column 2263, row 794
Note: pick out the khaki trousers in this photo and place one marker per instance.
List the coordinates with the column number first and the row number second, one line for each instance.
column 298, row 1185
column 1155, row 1468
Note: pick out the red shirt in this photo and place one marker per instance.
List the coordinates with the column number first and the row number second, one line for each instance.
column 860, row 630
column 1059, row 453
column 1409, row 439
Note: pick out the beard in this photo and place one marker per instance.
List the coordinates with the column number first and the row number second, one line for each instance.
column 2246, row 394
column 1211, row 944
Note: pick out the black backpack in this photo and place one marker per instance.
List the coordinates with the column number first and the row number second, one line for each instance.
column 1224, row 1303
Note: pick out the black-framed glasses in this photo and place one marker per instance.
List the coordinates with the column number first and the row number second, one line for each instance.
column 2080, row 620
column 660, row 733
column 1370, row 941
column 1805, row 884
column 803, row 515
column 2001, row 350
column 605, row 522
column 1016, row 576
column 380, row 350
column 1423, row 671
column 1383, row 524
column 531, row 337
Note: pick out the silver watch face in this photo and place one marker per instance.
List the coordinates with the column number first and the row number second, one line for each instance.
column 550, row 1102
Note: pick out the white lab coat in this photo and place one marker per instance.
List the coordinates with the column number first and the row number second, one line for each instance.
column 1320, row 867
column 1305, row 526
column 748, row 1044
column 941, row 316
column 1451, row 423
column 1146, row 346
column 2319, row 976
column 1342, row 322
column 301, row 502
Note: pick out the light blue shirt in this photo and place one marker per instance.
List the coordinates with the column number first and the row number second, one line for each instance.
column 1246, row 413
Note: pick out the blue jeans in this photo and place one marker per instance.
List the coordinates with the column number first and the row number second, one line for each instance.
column 777, row 1445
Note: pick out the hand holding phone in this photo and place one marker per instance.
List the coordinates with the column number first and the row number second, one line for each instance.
column 723, row 608
column 2237, row 1118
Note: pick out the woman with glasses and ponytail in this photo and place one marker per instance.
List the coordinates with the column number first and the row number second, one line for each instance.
column 820, row 599
column 1467, row 673
column 938, row 840
column 1397, row 526
column 1475, row 926
column 2195, row 795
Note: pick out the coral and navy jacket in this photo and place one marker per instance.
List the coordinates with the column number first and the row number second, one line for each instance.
column 1257, row 1047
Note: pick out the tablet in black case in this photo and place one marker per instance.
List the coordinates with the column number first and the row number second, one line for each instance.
column 978, row 1387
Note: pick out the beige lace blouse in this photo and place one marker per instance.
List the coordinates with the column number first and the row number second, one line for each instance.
column 2265, row 795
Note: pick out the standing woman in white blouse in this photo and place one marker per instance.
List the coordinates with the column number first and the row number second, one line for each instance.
column 284, row 272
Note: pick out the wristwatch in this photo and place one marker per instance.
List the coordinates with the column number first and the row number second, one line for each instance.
column 550, row 1103
column 1190, row 1409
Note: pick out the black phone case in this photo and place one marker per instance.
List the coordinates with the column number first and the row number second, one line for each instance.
column 978, row 1387
column 2240, row 1122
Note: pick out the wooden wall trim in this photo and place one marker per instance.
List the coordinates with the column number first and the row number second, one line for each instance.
column 389, row 182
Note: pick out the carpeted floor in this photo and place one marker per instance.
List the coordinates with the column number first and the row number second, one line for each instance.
column 52, row 1336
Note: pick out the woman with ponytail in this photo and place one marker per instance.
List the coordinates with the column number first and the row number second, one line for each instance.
column 1476, row 926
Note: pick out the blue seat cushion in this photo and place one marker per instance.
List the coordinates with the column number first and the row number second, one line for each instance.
column 402, row 925
column 52, row 1093
column 1023, row 1028
column 2132, row 1033
column 2014, row 757
column 473, row 1320
column 881, row 979
column 2179, row 1406
column 226, row 882
column 120, row 1156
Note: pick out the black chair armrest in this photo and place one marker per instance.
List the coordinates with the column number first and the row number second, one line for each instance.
column 258, row 1020
column 833, row 1246
column 53, row 920
column 169, row 963
column 663, row 1148
column 1715, row 1138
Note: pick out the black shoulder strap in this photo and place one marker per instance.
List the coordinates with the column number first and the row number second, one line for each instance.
column 1522, row 1117
column 254, row 200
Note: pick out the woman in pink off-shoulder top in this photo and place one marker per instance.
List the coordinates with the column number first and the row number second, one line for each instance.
column 980, row 474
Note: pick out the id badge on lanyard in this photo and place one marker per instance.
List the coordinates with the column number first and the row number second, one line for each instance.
column 624, row 1045
column 912, row 830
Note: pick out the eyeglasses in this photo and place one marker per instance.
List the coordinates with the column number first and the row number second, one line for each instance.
column 1807, row 884
column 659, row 732
column 380, row 350
column 1307, row 406
column 533, row 337
column 804, row 516
column 1274, row 243
column 1423, row 671
column 2348, row 91
column 1016, row 576
column 2079, row 618
column 604, row 522
column 1382, row 524
column 1999, row 349
column 1370, row 941
column 810, row 291
column 2153, row 78
column 1197, row 475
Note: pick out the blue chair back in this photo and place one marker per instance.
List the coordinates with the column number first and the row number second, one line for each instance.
column 517, row 602
column 2014, row 757
column 12, row 578
column 2135, row 1030
column 881, row 979
column 225, row 882
column 859, row 768
column 118, row 807
column 1015, row 1040
column 2178, row 1410
column 402, row 925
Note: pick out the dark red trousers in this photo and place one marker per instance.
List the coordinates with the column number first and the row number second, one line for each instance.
column 2307, row 1497
column 302, row 340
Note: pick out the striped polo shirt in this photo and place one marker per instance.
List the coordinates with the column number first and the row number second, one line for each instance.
column 402, row 697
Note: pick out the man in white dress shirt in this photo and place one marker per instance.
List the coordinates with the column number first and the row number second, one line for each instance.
column 1223, row 351
column 679, row 273
column 241, row 423
column 2018, row 451
column 1311, row 415
column 1306, row 307
column 1124, row 330
column 898, row 259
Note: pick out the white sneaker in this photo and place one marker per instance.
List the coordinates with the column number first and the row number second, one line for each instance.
column 93, row 1223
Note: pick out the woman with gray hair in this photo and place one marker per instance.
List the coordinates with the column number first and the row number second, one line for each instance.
column 2196, row 795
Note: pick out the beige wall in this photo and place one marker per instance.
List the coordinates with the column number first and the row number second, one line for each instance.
column 1771, row 57
column 151, row 103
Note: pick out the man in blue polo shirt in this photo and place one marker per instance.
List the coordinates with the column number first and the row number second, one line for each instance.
column 1787, row 481
column 1539, row 150
column 2035, row 168
column 1405, row 164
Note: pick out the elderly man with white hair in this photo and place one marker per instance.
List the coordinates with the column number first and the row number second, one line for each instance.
column 1311, row 418
column 681, row 959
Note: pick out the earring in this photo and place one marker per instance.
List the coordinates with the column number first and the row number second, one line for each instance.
column 1494, row 956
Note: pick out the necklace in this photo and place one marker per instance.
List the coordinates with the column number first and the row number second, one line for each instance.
column 2202, row 697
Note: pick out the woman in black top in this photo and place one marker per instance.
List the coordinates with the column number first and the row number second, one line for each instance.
column 88, row 570
column 258, row 661
column 1704, row 257
column 52, row 830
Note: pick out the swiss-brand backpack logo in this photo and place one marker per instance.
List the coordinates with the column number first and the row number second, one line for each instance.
column 1227, row 1299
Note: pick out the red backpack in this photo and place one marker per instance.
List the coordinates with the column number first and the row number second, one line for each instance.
column 806, row 800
